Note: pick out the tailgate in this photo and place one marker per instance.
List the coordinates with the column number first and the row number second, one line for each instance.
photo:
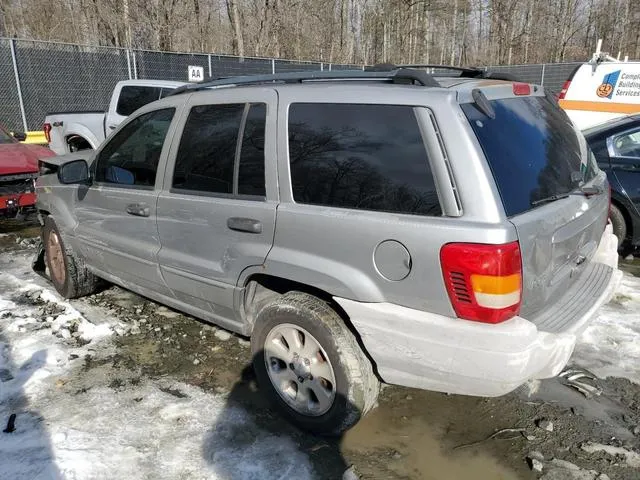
column 540, row 163
column 557, row 241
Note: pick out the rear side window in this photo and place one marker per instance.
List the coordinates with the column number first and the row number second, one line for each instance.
column 368, row 157
column 133, row 97
column 208, row 152
column 164, row 91
column 532, row 149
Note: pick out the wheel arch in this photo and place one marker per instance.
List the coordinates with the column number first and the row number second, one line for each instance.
column 78, row 139
column 260, row 289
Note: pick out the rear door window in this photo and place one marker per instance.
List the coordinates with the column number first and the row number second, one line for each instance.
column 251, row 161
column 208, row 159
column 133, row 97
column 366, row 157
column 207, row 150
column 532, row 149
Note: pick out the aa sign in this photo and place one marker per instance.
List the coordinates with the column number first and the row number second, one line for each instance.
column 196, row 74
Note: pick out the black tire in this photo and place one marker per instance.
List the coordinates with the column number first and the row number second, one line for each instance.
column 357, row 387
column 78, row 281
column 619, row 224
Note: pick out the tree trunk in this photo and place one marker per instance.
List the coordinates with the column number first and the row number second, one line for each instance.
column 454, row 31
column 234, row 18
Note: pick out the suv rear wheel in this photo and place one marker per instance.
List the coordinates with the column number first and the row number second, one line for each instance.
column 67, row 271
column 311, row 365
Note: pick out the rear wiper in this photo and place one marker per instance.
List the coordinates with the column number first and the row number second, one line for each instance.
column 584, row 190
column 550, row 199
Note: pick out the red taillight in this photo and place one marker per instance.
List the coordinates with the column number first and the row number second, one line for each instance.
column 47, row 131
column 484, row 282
column 521, row 89
column 563, row 92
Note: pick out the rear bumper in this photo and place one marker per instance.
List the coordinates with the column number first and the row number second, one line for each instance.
column 433, row 352
column 13, row 203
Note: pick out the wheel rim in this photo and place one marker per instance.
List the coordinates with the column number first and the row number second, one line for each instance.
column 56, row 258
column 300, row 369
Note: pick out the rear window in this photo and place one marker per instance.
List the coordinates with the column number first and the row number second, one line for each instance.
column 133, row 97
column 532, row 149
column 365, row 157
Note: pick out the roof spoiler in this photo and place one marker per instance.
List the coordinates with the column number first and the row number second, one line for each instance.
column 463, row 72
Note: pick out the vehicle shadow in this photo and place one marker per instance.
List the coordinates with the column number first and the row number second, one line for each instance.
column 251, row 441
column 25, row 445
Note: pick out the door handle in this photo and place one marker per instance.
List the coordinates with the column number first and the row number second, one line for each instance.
column 241, row 224
column 138, row 209
column 112, row 127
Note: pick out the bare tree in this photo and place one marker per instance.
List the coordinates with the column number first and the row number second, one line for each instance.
column 358, row 31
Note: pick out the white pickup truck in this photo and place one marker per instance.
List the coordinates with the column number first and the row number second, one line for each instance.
column 72, row 131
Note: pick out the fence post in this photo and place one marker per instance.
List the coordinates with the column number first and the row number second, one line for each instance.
column 128, row 62
column 329, row 67
column 273, row 66
column 209, row 59
column 135, row 65
column 18, row 87
column 322, row 67
column 542, row 79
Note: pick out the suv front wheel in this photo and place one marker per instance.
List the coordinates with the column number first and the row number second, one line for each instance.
column 67, row 271
column 311, row 365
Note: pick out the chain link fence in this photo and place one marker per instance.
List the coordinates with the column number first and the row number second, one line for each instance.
column 550, row 75
column 42, row 77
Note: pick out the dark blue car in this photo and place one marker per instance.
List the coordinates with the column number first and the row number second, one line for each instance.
column 616, row 146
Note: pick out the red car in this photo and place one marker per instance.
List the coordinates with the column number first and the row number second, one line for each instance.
column 18, row 173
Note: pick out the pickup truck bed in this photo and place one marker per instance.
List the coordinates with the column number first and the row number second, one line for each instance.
column 82, row 130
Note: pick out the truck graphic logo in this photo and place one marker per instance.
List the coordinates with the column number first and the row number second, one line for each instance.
column 605, row 89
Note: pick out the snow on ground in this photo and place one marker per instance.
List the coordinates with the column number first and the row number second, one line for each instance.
column 71, row 423
column 150, row 430
column 610, row 347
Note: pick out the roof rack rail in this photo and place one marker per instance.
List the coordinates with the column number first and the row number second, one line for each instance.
column 469, row 70
column 396, row 75
column 465, row 72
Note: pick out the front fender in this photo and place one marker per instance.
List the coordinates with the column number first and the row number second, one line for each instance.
column 57, row 200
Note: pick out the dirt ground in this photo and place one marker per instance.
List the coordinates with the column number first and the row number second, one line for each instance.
column 411, row 435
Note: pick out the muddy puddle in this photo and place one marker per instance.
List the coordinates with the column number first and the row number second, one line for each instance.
column 392, row 447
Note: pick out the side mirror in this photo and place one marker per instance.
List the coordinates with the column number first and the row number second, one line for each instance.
column 75, row 171
column 20, row 136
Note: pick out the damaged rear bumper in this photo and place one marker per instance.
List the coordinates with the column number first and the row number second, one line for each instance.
column 17, row 193
column 11, row 205
column 434, row 352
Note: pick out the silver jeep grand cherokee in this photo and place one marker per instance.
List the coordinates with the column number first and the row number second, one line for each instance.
column 440, row 233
